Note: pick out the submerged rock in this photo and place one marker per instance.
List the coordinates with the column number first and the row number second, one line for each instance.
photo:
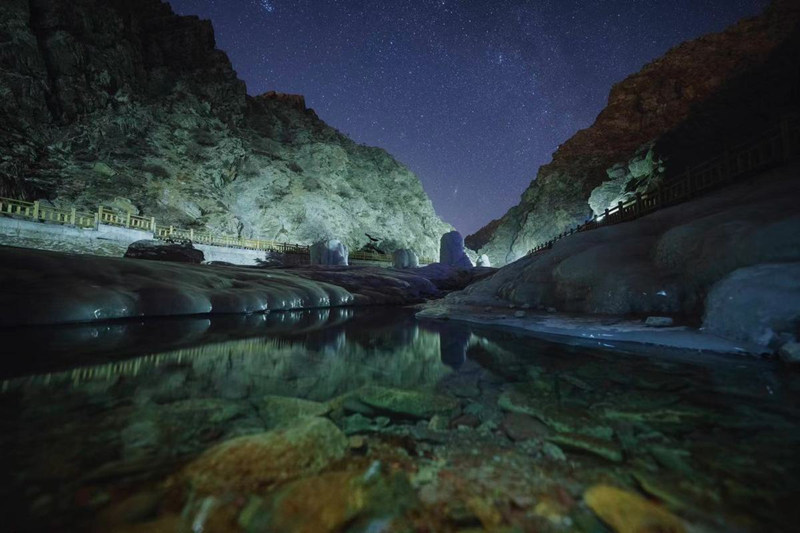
column 584, row 443
column 330, row 501
column 179, row 252
column 415, row 404
column 282, row 410
column 627, row 512
column 659, row 321
column 256, row 462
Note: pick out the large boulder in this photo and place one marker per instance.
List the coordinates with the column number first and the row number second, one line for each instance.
column 451, row 250
column 256, row 462
column 330, row 252
column 179, row 252
column 405, row 258
column 758, row 304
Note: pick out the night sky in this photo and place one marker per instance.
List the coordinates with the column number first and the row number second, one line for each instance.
column 472, row 95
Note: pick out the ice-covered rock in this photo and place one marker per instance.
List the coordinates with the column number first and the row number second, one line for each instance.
column 329, row 252
column 405, row 258
column 179, row 252
column 759, row 304
column 483, row 261
column 451, row 250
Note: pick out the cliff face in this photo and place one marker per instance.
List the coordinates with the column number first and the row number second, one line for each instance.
column 692, row 102
column 125, row 104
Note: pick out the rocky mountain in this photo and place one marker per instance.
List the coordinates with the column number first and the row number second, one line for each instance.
column 125, row 104
column 687, row 106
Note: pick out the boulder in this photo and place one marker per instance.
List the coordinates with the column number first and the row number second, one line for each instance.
column 627, row 512
column 756, row 304
column 179, row 252
column 405, row 258
column 790, row 353
column 483, row 261
column 255, row 462
column 451, row 250
column 407, row 403
column 330, row 252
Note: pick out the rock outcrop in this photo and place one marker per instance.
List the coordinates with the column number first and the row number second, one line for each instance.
column 178, row 252
column 692, row 103
column 730, row 259
column 126, row 102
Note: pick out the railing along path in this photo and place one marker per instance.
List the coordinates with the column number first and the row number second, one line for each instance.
column 44, row 213
column 775, row 147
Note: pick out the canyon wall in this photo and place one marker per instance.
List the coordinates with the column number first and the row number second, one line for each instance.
column 700, row 98
column 127, row 105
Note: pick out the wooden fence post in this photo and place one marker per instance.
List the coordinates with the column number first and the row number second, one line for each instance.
column 72, row 216
column 36, row 210
column 639, row 207
column 621, row 210
column 171, row 229
column 191, row 234
column 153, row 225
column 128, row 220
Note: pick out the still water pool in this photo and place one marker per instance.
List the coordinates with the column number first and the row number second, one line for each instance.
column 370, row 420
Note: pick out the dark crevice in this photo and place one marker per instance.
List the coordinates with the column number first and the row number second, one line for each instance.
column 51, row 97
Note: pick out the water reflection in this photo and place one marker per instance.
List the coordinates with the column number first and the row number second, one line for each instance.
column 95, row 407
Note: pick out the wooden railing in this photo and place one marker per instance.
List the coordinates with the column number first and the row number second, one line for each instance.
column 128, row 220
column 775, row 147
column 45, row 213
column 360, row 255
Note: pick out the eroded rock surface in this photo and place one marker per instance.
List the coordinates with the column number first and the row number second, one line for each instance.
column 700, row 98
column 124, row 99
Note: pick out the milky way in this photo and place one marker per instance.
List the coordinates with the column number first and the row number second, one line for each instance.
column 472, row 95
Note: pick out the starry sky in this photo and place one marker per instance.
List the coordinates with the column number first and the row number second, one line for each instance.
column 472, row 95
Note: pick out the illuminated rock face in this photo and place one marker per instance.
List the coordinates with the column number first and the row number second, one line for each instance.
column 699, row 98
column 126, row 103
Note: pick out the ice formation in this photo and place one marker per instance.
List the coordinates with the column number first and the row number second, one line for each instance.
column 405, row 258
column 451, row 250
column 330, row 252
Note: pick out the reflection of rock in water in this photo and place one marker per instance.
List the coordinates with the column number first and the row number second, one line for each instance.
column 318, row 366
column 454, row 340
column 56, row 348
